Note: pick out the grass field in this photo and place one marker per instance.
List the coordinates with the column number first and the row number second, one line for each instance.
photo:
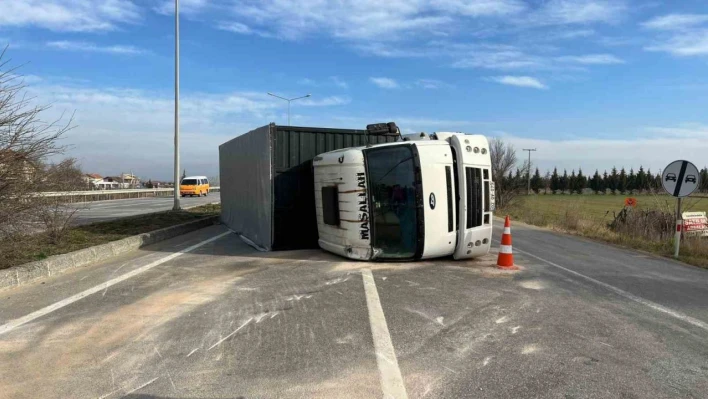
column 590, row 216
column 601, row 207
column 33, row 247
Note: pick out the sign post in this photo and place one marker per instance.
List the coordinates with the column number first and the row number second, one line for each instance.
column 680, row 179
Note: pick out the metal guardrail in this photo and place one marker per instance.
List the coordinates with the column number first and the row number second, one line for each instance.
column 109, row 192
column 103, row 195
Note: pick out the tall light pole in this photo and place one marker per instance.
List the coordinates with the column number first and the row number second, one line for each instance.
column 176, row 206
column 528, row 192
column 288, row 100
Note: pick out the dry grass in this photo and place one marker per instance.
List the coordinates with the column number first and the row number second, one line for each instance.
column 649, row 228
column 28, row 248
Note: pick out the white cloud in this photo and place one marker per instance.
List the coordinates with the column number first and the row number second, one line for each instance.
column 122, row 129
column 338, row 82
column 324, row 102
column 332, row 81
column 91, row 47
column 478, row 8
column 69, row 15
column 394, row 51
column 652, row 148
column 681, row 35
column 566, row 34
column 235, row 27
column 591, row 59
column 501, row 59
column 307, row 82
column 519, row 81
column 384, row 83
column 167, row 7
column 365, row 19
column 684, row 44
column 432, row 84
column 564, row 12
column 676, row 21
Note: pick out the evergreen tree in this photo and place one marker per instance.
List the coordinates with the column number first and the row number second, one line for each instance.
column 509, row 182
column 649, row 183
column 613, row 181
column 641, row 181
column 555, row 181
column 564, row 182
column 596, row 182
column 604, row 183
column 536, row 182
column 184, row 174
column 547, row 182
column 622, row 181
column 518, row 179
column 572, row 182
column 631, row 181
column 704, row 180
column 581, row 182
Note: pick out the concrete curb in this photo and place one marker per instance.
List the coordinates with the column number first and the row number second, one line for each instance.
column 29, row 272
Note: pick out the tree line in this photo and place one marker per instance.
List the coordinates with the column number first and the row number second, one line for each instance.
column 613, row 182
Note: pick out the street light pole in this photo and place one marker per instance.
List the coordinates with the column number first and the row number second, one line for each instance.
column 289, row 100
column 176, row 206
column 528, row 191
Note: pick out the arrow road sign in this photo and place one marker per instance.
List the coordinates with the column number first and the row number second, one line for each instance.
column 680, row 178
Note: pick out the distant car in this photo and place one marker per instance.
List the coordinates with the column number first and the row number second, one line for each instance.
column 690, row 178
column 194, row 185
column 671, row 176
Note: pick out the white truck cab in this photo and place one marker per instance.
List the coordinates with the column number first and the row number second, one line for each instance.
column 425, row 196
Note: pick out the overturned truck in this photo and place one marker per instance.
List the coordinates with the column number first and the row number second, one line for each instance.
column 363, row 194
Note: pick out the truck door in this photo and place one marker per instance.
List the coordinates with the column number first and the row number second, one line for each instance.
column 439, row 204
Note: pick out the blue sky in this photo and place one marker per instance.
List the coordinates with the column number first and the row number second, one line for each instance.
column 590, row 83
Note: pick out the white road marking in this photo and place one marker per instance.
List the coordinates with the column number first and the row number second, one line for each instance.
column 142, row 386
column 11, row 325
column 390, row 374
column 232, row 333
column 653, row 305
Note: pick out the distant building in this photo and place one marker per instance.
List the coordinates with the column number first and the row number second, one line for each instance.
column 92, row 180
column 130, row 180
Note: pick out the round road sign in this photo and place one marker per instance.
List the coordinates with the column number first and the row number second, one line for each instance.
column 680, row 178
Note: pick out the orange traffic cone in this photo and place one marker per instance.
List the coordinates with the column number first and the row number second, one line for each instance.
column 505, row 260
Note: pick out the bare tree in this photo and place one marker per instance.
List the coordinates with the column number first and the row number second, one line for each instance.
column 504, row 159
column 26, row 142
column 55, row 213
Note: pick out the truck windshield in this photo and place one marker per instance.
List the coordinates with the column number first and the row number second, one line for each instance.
column 393, row 196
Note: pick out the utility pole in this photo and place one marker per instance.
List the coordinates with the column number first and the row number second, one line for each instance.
column 528, row 192
column 289, row 100
column 176, row 206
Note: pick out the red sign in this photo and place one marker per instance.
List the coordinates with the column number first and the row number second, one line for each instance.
column 695, row 223
column 630, row 201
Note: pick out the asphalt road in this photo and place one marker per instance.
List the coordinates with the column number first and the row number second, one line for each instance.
column 220, row 320
column 100, row 211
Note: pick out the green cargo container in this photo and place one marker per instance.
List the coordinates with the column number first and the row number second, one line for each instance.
column 267, row 188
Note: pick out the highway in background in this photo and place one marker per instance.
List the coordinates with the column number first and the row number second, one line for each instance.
column 204, row 316
column 101, row 211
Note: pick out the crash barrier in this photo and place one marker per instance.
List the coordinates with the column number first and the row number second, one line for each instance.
column 102, row 195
